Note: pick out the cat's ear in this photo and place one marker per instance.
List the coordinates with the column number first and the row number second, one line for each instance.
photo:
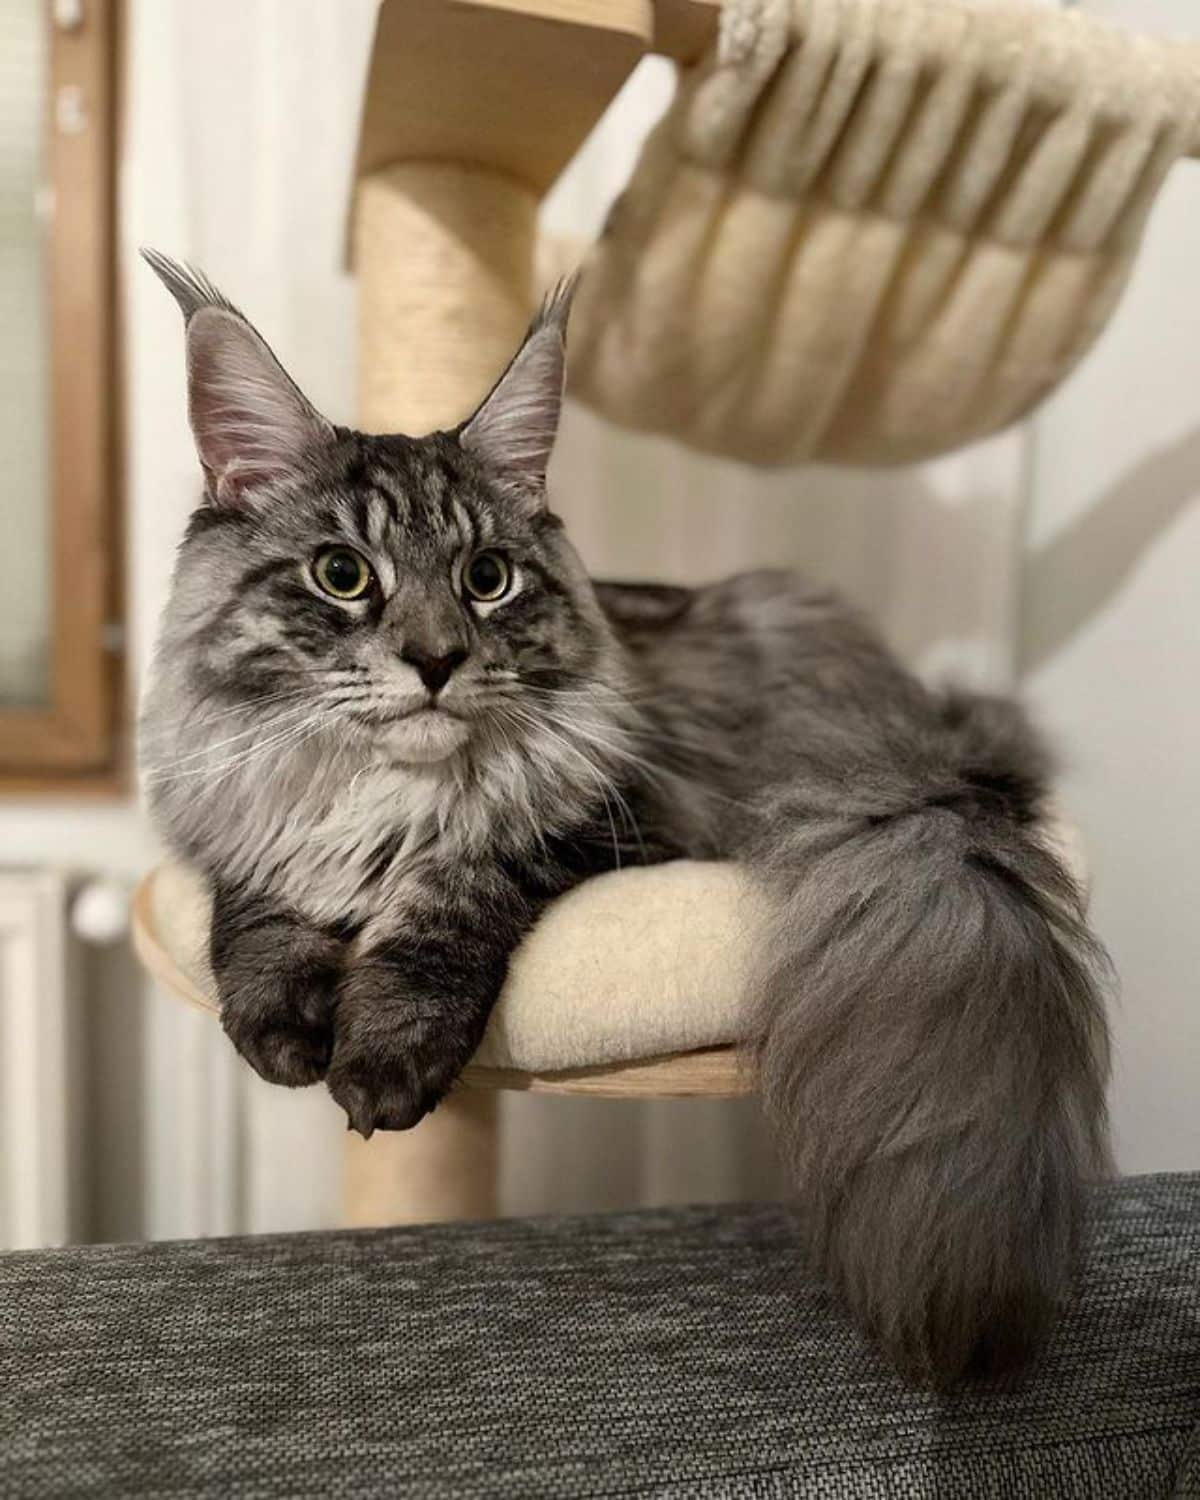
column 250, row 420
column 513, row 432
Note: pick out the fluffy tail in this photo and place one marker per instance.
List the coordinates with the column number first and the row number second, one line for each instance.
column 933, row 1046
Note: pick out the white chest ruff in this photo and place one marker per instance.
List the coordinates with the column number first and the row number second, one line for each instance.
column 346, row 846
column 335, row 835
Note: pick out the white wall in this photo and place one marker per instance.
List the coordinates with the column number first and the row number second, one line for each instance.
column 1111, row 648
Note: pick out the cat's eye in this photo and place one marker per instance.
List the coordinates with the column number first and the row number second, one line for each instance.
column 487, row 577
column 341, row 572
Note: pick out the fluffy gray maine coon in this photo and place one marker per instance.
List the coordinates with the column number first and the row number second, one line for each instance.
column 391, row 717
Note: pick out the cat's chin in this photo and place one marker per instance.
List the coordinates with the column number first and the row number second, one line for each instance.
column 423, row 739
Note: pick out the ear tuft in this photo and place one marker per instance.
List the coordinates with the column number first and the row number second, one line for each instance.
column 555, row 310
column 191, row 289
column 251, row 422
column 513, row 431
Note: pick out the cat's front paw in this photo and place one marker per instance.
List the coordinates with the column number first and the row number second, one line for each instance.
column 394, row 1057
column 281, row 1023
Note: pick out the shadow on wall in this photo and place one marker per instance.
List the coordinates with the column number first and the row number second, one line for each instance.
column 1063, row 585
column 1071, row 580
column 926, row 551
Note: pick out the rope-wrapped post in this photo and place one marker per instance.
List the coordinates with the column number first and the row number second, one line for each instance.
column 444, row 255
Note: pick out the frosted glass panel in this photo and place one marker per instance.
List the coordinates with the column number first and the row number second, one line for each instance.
column 24, row 358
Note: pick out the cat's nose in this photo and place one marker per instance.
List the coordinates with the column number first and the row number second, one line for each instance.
column 434, row 671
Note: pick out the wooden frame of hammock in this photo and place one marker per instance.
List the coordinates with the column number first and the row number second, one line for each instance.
column 513, row 85
column 68, row 745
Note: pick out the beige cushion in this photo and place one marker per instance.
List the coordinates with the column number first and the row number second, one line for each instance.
column 629, row 965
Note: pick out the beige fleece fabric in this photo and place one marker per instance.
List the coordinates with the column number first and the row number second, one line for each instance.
column 629, row 965
column 869, row 231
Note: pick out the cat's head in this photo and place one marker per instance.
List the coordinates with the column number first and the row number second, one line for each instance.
column 416, row 594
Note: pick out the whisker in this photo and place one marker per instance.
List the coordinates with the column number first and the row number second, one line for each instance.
column 189, row 720
column 604, row 782
column 254, row 729
column 335, row 678
column 291, row 734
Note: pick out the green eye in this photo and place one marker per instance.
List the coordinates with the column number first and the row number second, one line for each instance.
column 342, row 573
column 487, row 577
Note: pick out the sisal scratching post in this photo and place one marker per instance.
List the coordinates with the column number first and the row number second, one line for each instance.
column 444, row 256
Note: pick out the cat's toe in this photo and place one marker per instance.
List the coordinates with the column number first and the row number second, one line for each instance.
column 284, row 1052
column 285, row 1033
column 378, row 1104
column 388, row 1074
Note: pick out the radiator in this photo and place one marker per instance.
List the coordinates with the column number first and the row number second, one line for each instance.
column 39, row 1080
column 213, row 1150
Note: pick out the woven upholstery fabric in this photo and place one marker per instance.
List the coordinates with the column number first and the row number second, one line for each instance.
column 673, row 1353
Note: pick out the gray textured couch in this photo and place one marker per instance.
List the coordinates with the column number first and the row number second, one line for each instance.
column 672, row 1353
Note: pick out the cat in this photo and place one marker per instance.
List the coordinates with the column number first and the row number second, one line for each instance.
column 391, row 718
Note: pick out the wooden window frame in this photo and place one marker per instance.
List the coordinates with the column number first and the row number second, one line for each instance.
column 72, row 743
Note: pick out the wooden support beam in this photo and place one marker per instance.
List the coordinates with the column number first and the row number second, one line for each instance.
column 510, row 85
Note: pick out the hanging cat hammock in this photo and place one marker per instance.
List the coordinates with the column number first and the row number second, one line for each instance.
column 869, row 231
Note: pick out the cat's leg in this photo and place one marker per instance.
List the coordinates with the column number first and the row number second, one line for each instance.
column 413, row 1004
column 277, row 980
column 415, row 1000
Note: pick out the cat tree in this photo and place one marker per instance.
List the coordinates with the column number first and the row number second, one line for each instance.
column 866, row 231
